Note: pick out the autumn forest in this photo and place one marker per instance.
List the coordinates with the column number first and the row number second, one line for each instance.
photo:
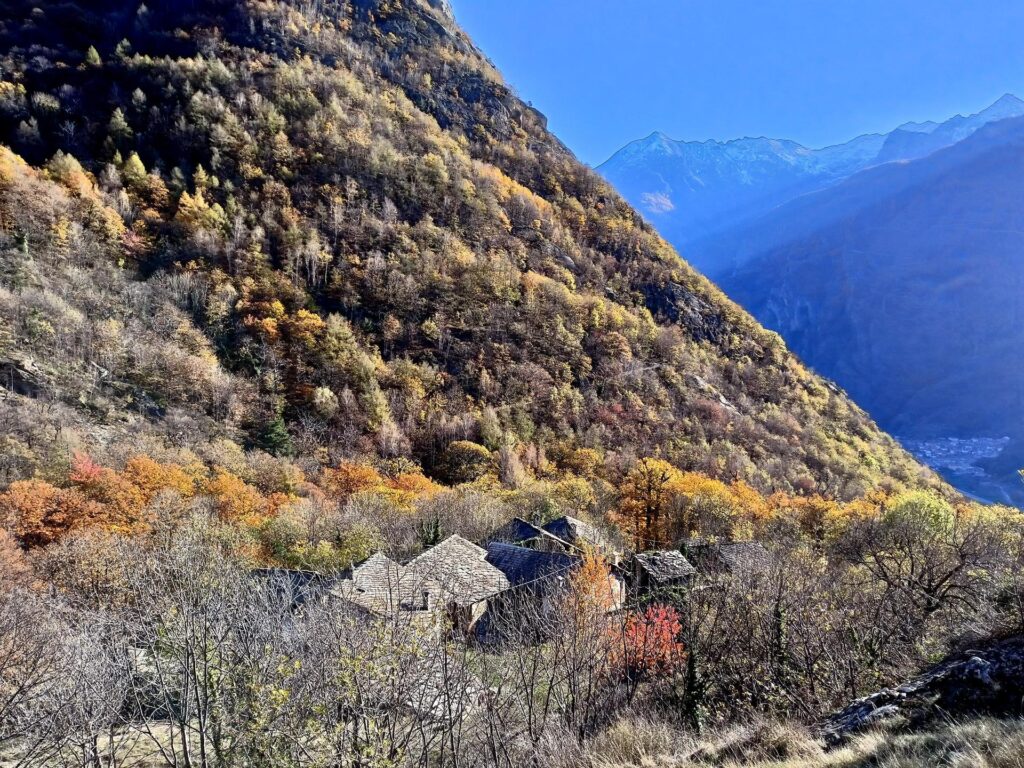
column 285, row 285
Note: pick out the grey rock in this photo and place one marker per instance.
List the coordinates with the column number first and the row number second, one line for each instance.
column 987, row 681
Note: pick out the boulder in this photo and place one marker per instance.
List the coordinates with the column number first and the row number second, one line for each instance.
column 976, row 682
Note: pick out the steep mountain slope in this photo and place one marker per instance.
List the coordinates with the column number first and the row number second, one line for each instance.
column 694, row 191
column 904, row 284
column 90, row 356
column 379, row 250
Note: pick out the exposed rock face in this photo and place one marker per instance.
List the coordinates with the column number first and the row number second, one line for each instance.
column 443, row 6
column 674, row 302
column 989, row 681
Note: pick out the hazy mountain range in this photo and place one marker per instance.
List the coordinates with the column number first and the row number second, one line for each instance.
column 693, row 190
column 890, row 263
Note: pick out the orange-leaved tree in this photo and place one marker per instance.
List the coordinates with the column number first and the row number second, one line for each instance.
column 122, row 502
column 152, row 477
column 350, row 477
column 705, row 506
column 660, row 505
column 645, row 502
column 39, row 513
column 592, row 587
column 407, row 487
column 235, row 500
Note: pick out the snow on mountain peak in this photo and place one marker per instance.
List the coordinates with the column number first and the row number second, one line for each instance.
column 695, row 188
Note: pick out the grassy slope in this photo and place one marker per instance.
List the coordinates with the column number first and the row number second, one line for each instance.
column 978, row 743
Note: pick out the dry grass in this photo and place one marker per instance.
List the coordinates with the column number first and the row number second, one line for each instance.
column 980, row 743
column 638, row 743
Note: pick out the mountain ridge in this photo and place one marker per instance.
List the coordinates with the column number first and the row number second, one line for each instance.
column 924, row 327
column 700, row 188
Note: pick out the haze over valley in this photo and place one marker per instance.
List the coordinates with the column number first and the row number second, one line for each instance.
column 890, row 263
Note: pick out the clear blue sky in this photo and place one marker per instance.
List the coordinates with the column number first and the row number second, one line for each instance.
column 606, row 72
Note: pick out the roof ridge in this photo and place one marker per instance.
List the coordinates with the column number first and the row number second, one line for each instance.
column 505, row 544
column 376, row 555
column 462, row 539
column 478, row 550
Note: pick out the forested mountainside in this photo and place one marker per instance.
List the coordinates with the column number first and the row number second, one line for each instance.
column 347, row 419
column 329, row 231
column 698, row 193
column 903, row 283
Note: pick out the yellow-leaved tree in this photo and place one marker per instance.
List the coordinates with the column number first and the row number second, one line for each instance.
column 645, row 502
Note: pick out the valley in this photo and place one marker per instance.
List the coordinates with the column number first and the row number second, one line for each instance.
column 962, row 461
column 900, row 281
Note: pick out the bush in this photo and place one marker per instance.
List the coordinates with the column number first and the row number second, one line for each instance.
column 464, row 462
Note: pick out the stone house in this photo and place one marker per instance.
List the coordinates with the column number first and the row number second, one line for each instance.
column 541, row 573
column 387, row 588
column 461, row 580
column 736, row 558
column 564, row 534
column 450, row 581
column 660, row 570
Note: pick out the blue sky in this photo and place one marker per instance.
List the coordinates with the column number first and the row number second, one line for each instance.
column 606, row 72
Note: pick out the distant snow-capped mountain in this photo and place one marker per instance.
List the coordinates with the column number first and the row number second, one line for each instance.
column 914, row 140
column 904, row 284
column 692, row 190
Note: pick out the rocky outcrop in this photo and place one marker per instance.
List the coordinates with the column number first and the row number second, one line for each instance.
column 989, row 682
column 444, row 7
column 677, row 304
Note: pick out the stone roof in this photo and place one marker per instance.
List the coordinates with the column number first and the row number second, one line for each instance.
column 664, row 566
column 577, row 532
column 519, row 531
column 522, row 565
column 731, row 556
column 516, row 531
column 381, row 585
column 461, row 570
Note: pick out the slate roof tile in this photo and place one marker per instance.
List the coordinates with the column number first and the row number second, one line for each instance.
column 665, row 566
column 522, row 565
column 461, row 570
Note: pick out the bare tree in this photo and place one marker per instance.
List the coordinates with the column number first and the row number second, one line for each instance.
column 32, row 667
